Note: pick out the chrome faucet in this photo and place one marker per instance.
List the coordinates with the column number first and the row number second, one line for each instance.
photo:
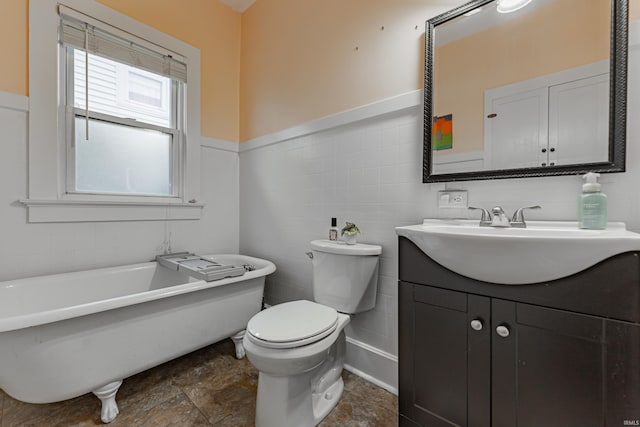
column 497, row 217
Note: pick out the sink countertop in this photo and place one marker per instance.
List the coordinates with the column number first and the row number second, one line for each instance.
column 542, row 252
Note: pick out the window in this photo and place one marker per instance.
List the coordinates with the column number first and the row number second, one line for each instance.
column 135, row 145
column 123, row 124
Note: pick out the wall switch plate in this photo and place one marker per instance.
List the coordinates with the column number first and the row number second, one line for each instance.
column 453, row 199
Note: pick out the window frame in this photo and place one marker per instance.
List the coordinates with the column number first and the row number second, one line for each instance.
column 48, row 199
column 66, row 80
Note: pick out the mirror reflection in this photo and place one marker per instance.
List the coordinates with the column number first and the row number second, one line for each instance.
column 526, row 89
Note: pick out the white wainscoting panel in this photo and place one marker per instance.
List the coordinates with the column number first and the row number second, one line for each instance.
column 369, row 173
column 36, row 249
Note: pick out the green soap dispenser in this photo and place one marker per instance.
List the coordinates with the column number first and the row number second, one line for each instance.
column 593, row 204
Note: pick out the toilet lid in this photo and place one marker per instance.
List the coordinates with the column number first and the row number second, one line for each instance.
column 292, row 324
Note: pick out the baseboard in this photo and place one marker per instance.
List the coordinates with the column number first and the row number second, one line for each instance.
column 372, row 364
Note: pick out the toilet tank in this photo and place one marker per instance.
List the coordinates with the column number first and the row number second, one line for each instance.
column 345, row 277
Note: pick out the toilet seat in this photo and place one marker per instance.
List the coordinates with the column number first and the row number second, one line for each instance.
column 292, row 324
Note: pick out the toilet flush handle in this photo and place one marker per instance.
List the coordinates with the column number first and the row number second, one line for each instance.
column 309, row 254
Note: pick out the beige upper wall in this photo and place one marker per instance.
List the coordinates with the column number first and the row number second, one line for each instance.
column 299, row 60
column 209, row 25
column 13, row 43
column 302, row 60
column 215, row 29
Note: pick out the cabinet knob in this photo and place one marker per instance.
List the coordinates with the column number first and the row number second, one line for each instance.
column 544, row 150
column 476, row 324
column 503, row 331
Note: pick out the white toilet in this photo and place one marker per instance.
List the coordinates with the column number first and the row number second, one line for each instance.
column 299, row 347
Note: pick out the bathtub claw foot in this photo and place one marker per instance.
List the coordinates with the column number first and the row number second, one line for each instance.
column 237, row 340
column 107, row 396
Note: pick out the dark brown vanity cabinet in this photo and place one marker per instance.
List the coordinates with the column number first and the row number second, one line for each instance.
column 564, row 353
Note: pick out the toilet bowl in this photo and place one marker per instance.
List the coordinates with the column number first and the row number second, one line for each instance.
column 299, row 347
column 304, row 379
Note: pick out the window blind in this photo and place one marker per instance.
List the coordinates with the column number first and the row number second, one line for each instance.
column 81, row 33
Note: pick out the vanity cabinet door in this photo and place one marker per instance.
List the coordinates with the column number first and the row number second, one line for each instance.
column 444, row 350
column 558, row 368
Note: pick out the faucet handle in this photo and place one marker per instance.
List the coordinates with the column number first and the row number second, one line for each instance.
column 485, row 218
column 518, row 216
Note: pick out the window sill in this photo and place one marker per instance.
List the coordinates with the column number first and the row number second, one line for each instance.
column 39, row 211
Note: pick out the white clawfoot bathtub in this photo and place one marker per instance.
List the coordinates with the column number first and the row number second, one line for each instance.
column 65, row 335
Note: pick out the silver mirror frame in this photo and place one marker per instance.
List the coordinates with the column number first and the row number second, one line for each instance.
column 617, row 104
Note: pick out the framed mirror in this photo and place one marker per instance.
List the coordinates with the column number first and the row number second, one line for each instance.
column 537, row 91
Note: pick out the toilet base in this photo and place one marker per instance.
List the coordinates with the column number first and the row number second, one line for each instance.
column 303, row 409
column 298, row 387
column 323, row 403
column 302, row 400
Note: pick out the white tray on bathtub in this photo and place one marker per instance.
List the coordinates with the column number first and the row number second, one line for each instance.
column 198, row 267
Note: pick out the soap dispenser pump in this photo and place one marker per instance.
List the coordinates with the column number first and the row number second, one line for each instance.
column 593, row 204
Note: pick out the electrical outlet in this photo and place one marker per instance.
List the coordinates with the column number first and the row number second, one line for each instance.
column 452, row 199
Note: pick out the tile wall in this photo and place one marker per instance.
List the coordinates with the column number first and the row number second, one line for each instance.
column 369, row 172
column 365, row 173
column 38, row 249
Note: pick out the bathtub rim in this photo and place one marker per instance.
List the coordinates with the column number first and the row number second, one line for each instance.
column 15, row 323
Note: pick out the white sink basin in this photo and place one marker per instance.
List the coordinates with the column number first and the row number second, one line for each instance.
column 544, row 251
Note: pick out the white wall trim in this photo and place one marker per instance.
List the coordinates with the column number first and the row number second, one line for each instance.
column 219, row 144
column 40, row 211
column 375, row 365
column 12, row 101
column 378, row 108
column 634, row 33
column 460, row 157
column 462, row 162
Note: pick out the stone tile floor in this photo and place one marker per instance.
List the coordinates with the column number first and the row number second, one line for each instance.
column 208, row 387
